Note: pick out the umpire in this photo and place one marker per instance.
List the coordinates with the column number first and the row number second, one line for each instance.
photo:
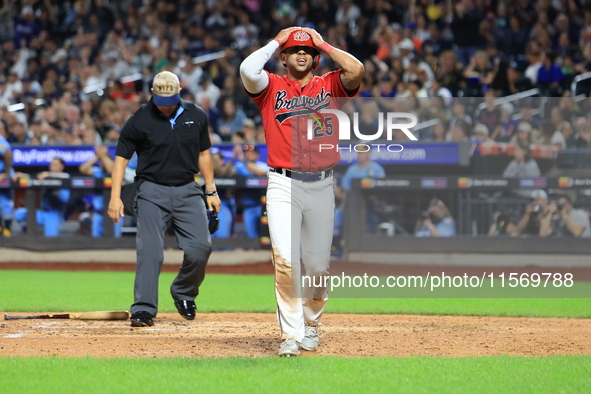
column 171, row 139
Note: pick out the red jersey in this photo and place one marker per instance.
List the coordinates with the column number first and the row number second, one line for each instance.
column 286, row 107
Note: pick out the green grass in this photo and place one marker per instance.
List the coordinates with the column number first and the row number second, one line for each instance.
column 569, row 374
column 37, row 291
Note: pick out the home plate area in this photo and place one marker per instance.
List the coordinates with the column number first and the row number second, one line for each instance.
column 257, row 335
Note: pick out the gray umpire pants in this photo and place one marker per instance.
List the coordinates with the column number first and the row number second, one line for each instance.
column 158, row 207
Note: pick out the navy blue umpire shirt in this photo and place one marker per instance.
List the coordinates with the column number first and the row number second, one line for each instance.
column 168, row 148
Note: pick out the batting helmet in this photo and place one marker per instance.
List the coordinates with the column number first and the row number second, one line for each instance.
column 300, row 38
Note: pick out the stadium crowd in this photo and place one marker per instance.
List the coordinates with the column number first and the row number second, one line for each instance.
column 73, row 71
column 81, row 68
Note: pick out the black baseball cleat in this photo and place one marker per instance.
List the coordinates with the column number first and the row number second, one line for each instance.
column 142, row 319
column 186, row 308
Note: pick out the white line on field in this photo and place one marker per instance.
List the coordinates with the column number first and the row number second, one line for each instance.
column 17, row 335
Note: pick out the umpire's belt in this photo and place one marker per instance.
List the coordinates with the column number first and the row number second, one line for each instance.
column 304, row 176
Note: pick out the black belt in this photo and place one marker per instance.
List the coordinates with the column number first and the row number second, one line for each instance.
column 304, row 176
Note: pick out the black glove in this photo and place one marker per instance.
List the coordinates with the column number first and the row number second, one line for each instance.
column 212, row 216
column 214, row 221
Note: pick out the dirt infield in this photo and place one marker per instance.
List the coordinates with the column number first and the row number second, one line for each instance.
column 256, row 335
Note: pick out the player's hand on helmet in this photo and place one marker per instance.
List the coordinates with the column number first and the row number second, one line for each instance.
column 285, row 33
column 115, row 209
column 316, row 37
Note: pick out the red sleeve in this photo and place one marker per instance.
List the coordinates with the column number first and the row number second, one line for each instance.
column 333, row 80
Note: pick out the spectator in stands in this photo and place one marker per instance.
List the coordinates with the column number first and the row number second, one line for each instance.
column 533, row 53
column 190, row 75
column 569, row 109
column 523, row 165
column 418, row 70
column 449, row 73
column 99, row 167
column 569, row 135
column 25, row 27
column 513, row 38
column 208, row 89
column 238, row 138
column 490, row 116
column 480, row 135
column 526, row 110
column 438, row 133
column 247, row 163
column 246, row 33
column 465, row 23
column 415, row 87
column 459, row 132
column 31, row 89
column 18, row 135
column 223, row 168
column 6, row 172
column 347, row 12
column 507, row 124
column 530, row 222
column 364, row 168
column 546, row 133
column 231, row 119
column 479, row 71
column 369, row 119
column 436, row 43
column 6, row 96
column 459, row 114
column 564, row 137
column 583, row 136
column 516, row 82
column 436, row 90
column 561, row 220
column 112, row 136
column 436, row 221
column 387, row 86
column 53, row 201
column 550, row 75
column 213, row 114
column 249, row 131
column 585, row 64
column 15, row 85
column 524, row 135
column 214, row 138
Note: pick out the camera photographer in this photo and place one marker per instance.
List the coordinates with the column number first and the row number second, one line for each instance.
column 561, row 220
column 530, row 222
column 436, row 221
column 502, row 224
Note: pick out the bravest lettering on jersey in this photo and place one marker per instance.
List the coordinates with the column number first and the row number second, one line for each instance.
column 299, row 105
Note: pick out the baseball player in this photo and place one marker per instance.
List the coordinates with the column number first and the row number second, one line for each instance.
column 300, row 194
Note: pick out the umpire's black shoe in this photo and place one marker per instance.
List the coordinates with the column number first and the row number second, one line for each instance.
column 142, row 319
column 186, row 308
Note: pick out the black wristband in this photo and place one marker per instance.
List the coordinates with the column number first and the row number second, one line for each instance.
column 213, row 193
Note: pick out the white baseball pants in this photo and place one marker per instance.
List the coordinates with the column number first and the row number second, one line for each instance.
column 301, row 220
